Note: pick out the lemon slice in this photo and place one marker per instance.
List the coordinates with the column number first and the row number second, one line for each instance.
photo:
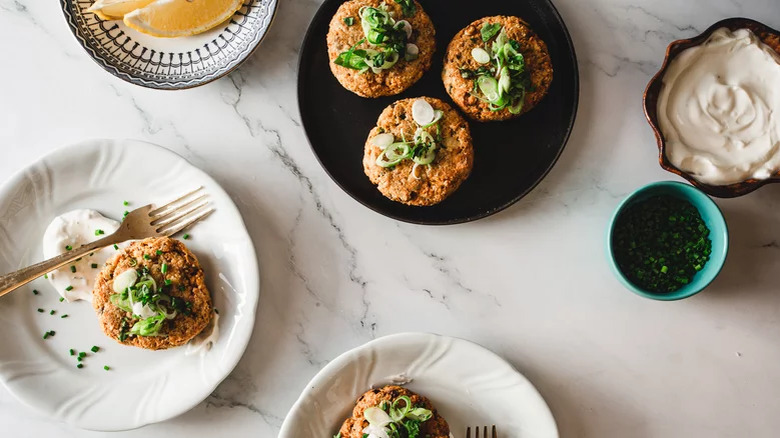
column 177, row 18
column 116, row 9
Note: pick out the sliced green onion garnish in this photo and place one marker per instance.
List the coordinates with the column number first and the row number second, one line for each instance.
column 73, row 269
column 82, row 354
column 164, row 268
column 98, row 232
column 124, row 215
column 125, row 203
column 95, row 348
column 94, row 266
column 185, row 237
column 168, row 282
column 51, row 312
column 106, row 367
column 158, row 252
column 116, row 246
column 72, row 351
column 62, row 299
column 69, row 288
column 489, row 88
column 80, row 365
column 68, row 247
column 40, row 310
column 35, row 292
column 64, row 316
column 147, row 257
column 349, row 21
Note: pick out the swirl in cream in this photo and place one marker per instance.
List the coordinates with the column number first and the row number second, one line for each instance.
column 719, row 106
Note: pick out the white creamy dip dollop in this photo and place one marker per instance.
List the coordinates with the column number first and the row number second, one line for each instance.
column 719, row 109
column 75, row 228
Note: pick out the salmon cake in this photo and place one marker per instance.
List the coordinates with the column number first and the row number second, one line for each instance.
column 419, row 152
column 380, row 47
column 394, row 408
column 497, row 68
column 152, row 295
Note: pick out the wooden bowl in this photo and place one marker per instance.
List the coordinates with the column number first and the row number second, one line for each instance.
column 770, row 37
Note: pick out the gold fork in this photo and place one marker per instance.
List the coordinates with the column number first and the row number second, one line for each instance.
column 140, row 223
column 484, row 435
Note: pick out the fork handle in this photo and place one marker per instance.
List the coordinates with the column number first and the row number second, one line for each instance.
column 21, row 277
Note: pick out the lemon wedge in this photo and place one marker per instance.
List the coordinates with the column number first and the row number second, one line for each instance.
column 177, row 18
column 116, row 9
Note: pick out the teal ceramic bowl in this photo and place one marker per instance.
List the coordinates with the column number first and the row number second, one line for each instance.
column 719, row 235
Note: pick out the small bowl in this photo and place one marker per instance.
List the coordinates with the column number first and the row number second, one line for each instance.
column 770, row 37
column 713, row 218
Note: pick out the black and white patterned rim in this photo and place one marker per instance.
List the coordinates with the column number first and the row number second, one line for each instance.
column 116, row 51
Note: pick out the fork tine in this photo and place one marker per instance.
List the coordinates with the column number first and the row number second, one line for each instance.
column 172, row 229
column 485, row 433
column 468, row 432
column 179, row 212
column 157, row 211
column 494, row 432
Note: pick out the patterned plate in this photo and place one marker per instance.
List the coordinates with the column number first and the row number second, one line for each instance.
column 170, row 63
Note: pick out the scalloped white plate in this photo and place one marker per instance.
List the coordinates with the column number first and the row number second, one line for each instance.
column 468, row 384
column 142, row 386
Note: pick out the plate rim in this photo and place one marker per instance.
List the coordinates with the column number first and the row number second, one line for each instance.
column 344, row 358
column 251, row 310
column 76, row 31
column 309, row 34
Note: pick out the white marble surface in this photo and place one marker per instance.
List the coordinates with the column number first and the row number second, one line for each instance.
column 531, row 283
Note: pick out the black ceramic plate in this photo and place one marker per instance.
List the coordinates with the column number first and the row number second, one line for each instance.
column 510, row 157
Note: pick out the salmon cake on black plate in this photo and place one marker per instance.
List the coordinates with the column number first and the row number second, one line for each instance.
column 380, row 47
column 419, row 152
column 497, row 68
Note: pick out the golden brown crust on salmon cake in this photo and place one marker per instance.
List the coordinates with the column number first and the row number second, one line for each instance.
column 427, row 184
column 434, row 427
column 179, row 284
column 459, row 59
column 342, row 36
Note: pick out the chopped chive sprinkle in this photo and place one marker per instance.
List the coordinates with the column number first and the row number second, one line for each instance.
column 35, row 291
column 94, row 266
column 64, row 316
column 69, row 288
column 73, row 269
column 116, row 246
column 40, row 310
column 62, row 299
column 82, row 354
column 106, row 367
column 95, row 348
column 168, row 282
column 78, row 259
column 146, row 256
column 181, row 287
column 81, row 365
column 159, row 252
column 52, row 312
column 185, row 237
column 164, row 268
column 68, row 247
column 51, row 332
column 80, row 357
column 46, row 276
column 349, row 21
column 72, row 352
column 99, row 232
column 125, row 213
column 47, row 334
column 90, row 254
column 216, row 311
column 125, row 203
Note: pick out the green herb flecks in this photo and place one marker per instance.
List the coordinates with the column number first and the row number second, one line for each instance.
column 106, row 367
column 94, row 266
column 35, row 292
column 349, row 21
column 69, row 288
column 185, row 236
column 68, row 247
column 99, row 232
column 95, row 349
column 73, row 269
column 661, row 243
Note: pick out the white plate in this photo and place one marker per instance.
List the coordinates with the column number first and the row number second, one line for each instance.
column 142, row 386
column 467, row 383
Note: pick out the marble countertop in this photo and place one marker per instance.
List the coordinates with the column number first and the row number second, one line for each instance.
column 530, row 283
